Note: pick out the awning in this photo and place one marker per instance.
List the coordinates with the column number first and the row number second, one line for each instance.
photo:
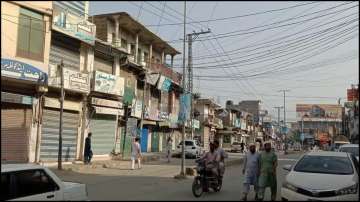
column 146, row 122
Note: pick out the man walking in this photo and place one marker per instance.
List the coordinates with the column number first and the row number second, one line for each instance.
column 251, row 171
column 87, row 151
column 135, row 153
column 267, row 178
column 168, row 148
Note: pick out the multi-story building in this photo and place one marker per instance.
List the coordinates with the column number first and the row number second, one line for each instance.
column 253, row 107
column 144, row 67
column 208, row 121
column 71, row 55
column 25, row 46
column 351, row 125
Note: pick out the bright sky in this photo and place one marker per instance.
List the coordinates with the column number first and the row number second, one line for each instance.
column 311, row 49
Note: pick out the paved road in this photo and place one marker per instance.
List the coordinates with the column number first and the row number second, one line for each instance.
column 156, row 182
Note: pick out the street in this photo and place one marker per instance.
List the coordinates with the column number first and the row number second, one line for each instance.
column 155, row 182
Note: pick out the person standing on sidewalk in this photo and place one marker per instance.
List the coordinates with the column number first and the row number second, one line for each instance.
column 87, row 151
column 168, row 148
column 267, row 178
column 135, row 153
column 251, row 171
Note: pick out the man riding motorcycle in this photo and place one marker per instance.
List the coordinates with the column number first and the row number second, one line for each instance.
column 222, row 154
column 212, row 160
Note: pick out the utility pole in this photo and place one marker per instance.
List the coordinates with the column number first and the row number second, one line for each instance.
column 278, row 123
column 61, row 66
column 182, row 171
column 284, row 91
column 192, row 37
column 143, row 103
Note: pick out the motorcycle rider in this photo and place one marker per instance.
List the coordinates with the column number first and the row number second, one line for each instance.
column 222, row 154
column 212, row 159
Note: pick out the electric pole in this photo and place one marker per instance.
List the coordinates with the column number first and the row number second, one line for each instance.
column 182, row 172
column 62, row 95
column 278, row 123
column 192, row 37
column 284, row 91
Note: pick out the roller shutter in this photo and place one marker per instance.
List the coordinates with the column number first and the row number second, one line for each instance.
column 103, row 129
column 50, row 135
column 15, row 131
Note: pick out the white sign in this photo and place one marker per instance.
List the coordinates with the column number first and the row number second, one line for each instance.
column 73, row 80
column 108, row 83
column 136, row 108
column 106, row 103
column 105, row 110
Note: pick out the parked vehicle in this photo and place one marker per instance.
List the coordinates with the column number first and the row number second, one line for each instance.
column 192, row 149
column 204, row 180
column 350, row 148
column 323, row 175
column 337, row 144
column 31, row 182
column 235, row 147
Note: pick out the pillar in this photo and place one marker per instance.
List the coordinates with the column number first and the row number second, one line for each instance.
column 136, row 46
column 116, row 40
column 162, row 57
column 172, row 61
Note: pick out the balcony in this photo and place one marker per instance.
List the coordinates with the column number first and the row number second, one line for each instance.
column 166, row 71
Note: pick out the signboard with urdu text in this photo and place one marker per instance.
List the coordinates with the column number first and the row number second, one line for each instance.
column 108, row 83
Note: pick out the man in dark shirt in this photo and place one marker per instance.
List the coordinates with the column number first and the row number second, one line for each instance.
column 87, row 151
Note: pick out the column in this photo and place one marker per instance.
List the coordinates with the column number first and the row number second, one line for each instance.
column 150, row 55
column 172, row 61
column 136, row 46
column 162, row 57
column 116, row 40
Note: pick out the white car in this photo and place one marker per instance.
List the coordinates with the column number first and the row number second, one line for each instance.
column 350, row 148
column 30, row 182
column 322, row 176
column 192, row 148
column 235, row 147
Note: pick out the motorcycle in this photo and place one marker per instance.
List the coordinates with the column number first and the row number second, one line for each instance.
column 204, row 180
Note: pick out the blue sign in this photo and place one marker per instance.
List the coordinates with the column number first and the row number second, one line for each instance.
column 284, row 130
column 184, row 113
column 19, row 70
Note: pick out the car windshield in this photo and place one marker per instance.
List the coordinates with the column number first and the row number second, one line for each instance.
column 325, row 164
column 352, row 150
column 187, row 143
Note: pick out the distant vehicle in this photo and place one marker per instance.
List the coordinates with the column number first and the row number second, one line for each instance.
column 30, row 182
column 235, row 147
column 350, row 148
column 323, row 175
column 192, row 149
column 337, row 144
column 297, row 147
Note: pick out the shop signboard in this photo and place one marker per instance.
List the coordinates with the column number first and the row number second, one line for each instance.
column 131, row 127
column 106, row 110
column 20, row 70
column 319, row 112
column 108, row 83
column 152, row 78
column 17, row 98
column 73, row 80
column 163, row 116
column 243, row 125
column 106, row 103
column 73, row 25
column 196, row 124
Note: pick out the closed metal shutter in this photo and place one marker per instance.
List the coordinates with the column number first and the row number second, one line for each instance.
column 50, row 135
column 60, row 51
column 103, row 65
column 15, row 130
column 103, row 128
column 155, row 142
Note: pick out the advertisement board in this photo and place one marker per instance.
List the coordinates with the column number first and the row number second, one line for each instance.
column 352, row 94
column 73, row 25
column 106, row 103
column 164, row 84
column 108, row 83
column 136, row 108
column 319, row 112
column 184, row 112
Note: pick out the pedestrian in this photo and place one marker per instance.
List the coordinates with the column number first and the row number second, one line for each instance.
column 242, row 145
column 136, row 153
column 87, row 151
column 168, row 148
column 223, row 155
column 267, row 178
column 251, row 171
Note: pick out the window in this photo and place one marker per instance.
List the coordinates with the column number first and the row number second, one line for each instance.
column 123, row 43
column 31, row 35
column 27, row 183
column 355, row 162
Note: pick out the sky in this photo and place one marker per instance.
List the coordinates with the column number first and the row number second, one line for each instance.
column 261, row 47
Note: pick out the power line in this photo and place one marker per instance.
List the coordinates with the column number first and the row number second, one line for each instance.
column 233, row 17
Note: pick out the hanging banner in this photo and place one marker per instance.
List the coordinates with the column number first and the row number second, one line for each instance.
column 184, row 113
column 131, row 127
column 164, row 84
column 152, row 79
column 136, row 108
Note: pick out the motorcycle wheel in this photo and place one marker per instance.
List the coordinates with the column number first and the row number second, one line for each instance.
column 197, row 188
column 218, row 188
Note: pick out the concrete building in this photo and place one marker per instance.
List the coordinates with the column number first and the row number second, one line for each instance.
column 208, row 121
column 25, row 47
column 351, row 125
column 253, row 107
column 145, row 62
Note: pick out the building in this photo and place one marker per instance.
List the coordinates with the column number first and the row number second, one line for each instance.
column 144, row 67
column 322, row 122
column 25, row 48
column 253, row 107
column 208, row 121
column 351, row 125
